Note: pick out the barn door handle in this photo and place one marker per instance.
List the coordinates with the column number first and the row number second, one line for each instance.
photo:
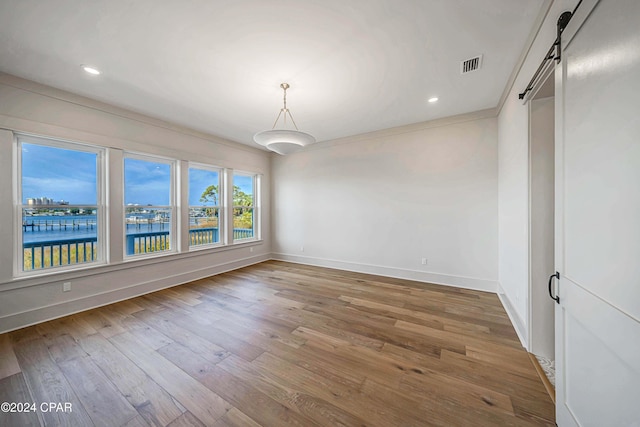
column 557, row 276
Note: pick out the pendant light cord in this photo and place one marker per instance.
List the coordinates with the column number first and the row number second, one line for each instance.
column 286, row 111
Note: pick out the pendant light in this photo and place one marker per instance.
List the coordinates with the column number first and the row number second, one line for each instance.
column 284, row 141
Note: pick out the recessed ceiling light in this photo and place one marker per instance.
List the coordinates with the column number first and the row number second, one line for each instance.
column 90, row 70
column 433, row 99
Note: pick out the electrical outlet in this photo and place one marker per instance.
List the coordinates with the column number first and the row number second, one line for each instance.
column 251, row 249
column 66, row 286
column 424, row 261
column 301, row 248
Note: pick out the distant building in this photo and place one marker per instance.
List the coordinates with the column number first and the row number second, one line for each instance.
column 39, row 201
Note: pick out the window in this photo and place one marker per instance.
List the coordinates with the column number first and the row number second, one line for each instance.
column 244, row 206
column 149, row 204
column 204, row 206
column 61, row 204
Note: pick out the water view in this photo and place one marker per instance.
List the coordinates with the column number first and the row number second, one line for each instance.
column 39, row 228
column 60, row 189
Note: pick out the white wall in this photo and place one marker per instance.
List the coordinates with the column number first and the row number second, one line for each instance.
column 380, row 202
column 513, row 179
column 542, row 190
column 32, row 108
column 513, row 173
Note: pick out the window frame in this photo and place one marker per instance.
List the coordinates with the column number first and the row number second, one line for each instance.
column 102, row 214
column 256, row 180
column 173, row 205
column 221, row 206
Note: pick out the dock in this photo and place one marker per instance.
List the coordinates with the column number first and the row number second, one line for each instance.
column 74, row 224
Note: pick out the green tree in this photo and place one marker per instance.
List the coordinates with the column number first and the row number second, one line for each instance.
column 210, row 194
column 242, row 217
column 240, row 198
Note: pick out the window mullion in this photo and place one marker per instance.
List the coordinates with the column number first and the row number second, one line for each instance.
column 116, row 223
column 229, row 206
column 182, row 187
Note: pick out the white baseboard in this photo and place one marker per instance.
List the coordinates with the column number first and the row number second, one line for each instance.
column 54, row 311
column 399, row 273
column 516, row 320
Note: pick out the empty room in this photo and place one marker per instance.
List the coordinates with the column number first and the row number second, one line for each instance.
column 319, row 213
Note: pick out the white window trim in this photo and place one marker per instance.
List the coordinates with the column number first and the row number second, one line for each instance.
column 101, row 206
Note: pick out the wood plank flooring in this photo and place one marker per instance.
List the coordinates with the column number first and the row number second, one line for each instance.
column 279, row 344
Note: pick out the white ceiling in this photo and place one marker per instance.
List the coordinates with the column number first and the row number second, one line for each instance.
column 354, row 66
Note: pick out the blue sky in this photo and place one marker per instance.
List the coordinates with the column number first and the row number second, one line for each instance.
column 199, row 180
column 70, row 175
column 58, row 174
column 245, row 182
column 146, row 183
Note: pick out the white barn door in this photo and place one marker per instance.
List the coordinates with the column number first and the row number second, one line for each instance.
column 597, row 236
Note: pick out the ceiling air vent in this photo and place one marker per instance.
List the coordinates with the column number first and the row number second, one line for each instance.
column 470, row 65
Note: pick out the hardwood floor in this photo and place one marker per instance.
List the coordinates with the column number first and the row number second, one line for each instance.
column 279, row 344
